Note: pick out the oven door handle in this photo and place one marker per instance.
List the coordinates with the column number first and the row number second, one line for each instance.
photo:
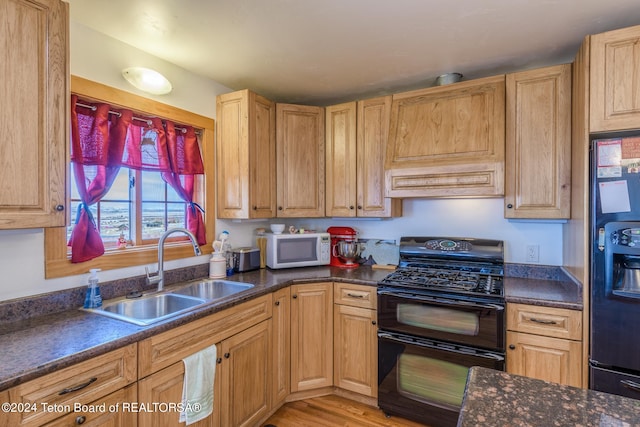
column 421, row 343
column 496, row 307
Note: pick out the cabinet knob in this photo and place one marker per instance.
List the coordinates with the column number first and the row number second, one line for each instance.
column 81, row 419
column 59, row 208
column 509, row 206
column 512, row 347
column 295, row 296
column 255, row 208
column 351, row 207
column 219, row 360
column 279, row 208
column 227, row 355
column 359, row 207
column 277, row 302
column 373, row 322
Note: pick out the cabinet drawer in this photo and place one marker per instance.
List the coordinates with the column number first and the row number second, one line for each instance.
column 165, row 349
column 81, row 383
column 548, row 321
column 355, row 295
column 97, row 413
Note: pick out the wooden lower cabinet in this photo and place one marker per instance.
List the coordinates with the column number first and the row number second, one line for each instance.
column 95, row 380
column 355, row 349
column 242, row 386
column 245, row 376
column 311, row 336
column 545, row 358
column 281, row 346
column 99, row 414
column 545, row 343
column 165, row 387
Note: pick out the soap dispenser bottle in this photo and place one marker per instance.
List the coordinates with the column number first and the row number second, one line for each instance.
column 93, row 299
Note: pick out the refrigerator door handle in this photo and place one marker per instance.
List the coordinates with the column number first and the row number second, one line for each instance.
column 630, row 385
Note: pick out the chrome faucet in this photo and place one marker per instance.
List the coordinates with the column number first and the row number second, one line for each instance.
column 159, row 277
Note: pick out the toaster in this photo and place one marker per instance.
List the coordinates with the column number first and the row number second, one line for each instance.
column 246, row 259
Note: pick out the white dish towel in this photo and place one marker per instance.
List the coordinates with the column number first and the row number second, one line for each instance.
column 197, row 388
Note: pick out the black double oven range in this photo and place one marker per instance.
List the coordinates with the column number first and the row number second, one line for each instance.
column 441, row 312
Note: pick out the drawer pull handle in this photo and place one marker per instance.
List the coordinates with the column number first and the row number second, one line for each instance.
column 544, row 322
column 77, row 387
column 631, row 385
column 349, row 294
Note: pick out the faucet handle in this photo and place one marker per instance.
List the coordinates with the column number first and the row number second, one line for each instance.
column 152, row 280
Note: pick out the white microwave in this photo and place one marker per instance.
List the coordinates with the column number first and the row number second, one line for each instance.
column 298, row 250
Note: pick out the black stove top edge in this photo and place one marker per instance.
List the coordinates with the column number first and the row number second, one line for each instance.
column 443, row 293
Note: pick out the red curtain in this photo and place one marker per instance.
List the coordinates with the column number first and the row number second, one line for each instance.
column 185, row 161
column 97, row 144
column 102, row 142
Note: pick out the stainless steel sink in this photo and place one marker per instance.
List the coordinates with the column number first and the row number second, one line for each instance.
column 213, row 289
column 149, row 309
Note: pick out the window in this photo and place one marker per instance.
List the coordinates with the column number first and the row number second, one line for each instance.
column 118, row 216
column 139, row 204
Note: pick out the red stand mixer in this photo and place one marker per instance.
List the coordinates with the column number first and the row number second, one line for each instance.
column 345, row 248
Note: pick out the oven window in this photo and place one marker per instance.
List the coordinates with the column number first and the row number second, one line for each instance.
column 438, row 319
column 295, row 250
column 431, row 381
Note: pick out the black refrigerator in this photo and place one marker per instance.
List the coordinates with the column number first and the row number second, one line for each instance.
column 614, row 359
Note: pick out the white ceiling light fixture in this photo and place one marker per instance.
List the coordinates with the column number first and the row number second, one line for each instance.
column 147, row 80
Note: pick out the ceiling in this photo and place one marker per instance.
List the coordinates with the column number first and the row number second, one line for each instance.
column 322, row 52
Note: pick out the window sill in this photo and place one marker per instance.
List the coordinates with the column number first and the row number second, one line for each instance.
column 120, row 258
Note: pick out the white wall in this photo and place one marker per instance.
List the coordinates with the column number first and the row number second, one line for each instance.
column 100, row 58
column 439, row 217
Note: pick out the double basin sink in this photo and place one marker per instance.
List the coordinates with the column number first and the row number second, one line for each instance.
column 152, row 308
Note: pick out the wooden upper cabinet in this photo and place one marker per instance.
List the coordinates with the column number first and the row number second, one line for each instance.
column 340, row 137
column 615, row 80
column 372, row 133
column 356, row 139
column 447, row 141
column 538, row 146
column 35, row 122
column 246, row 156
column 300, row 161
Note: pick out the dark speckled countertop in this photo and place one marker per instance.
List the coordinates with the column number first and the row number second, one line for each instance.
column 40, row 344
column 494, row 398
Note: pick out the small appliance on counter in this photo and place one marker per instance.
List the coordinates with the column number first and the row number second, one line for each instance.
column 345, row 248
column 297, row 250
column 246, row 259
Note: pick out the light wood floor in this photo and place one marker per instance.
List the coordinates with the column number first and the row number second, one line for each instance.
column 333, row 411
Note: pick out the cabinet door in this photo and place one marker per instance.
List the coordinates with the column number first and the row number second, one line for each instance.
column 341, row 160
column 615, row 92
column 300, row 161
column 98, row 413
column 311, row 336
column 356, row 349
column 550, row 359
column 165, row 386
column 245, row 156
column 246, row 376
column 447, row 141
column 372, row 134
column 538, row 146
column 281, row 346
column 35, row 122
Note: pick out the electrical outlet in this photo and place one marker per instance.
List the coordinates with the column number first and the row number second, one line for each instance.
column 533, row 253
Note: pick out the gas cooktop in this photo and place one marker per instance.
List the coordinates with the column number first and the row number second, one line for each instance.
column 451, row 265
